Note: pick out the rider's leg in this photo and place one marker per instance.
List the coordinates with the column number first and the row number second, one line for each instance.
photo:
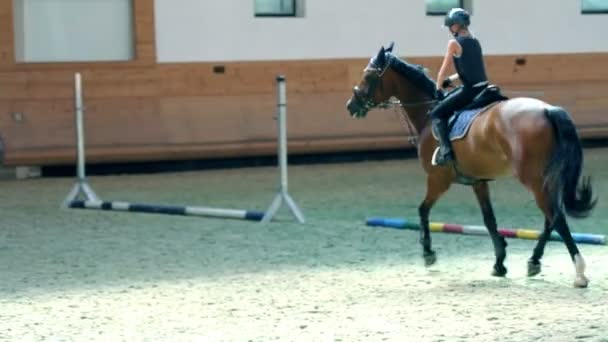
column 440, row 115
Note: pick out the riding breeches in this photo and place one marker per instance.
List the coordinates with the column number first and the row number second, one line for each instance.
column 458, row 99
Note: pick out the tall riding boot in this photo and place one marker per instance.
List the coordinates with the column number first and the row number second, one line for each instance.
column 445, row 155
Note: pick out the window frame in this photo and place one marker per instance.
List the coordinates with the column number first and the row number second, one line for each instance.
column 277, row 15
column 600, row 11
column 144, row 43
column 132, row 57
column 435, row 13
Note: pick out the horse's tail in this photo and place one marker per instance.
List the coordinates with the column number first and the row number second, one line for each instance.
column 564, row 170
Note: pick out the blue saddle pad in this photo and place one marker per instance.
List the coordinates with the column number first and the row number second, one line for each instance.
column 461, row 121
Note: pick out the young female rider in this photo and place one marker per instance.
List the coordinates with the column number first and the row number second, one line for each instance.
column 465, row 54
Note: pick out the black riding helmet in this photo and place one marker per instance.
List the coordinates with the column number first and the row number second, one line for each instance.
column 457, row 16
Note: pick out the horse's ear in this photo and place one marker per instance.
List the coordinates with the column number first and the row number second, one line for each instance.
column 390, row 47
column 381, row 58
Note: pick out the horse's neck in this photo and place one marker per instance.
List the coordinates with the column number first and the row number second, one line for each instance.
column 416, row 105
column 418, row 115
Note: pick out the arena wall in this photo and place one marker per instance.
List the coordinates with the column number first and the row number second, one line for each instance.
column 202, row 82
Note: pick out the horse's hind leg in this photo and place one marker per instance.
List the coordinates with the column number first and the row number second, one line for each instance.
column 483, row 197
column 557, row 221
column 534, row 265
column 561, row 226
column 435, row 187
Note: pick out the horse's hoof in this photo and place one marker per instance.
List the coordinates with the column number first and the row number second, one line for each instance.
column 581, row 282
column 429, row 258
column 499, row 271
column 533, row 268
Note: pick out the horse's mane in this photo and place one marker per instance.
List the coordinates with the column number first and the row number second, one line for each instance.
column 412, row 72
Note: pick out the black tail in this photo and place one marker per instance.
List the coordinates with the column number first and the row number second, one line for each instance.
column 564, row 170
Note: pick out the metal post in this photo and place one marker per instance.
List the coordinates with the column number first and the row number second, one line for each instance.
column 282, row 127
column 81, row 187
column 79, row 126
column 283, row 194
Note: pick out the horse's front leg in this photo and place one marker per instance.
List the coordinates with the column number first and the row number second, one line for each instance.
column 435, row 187
column 483, row 197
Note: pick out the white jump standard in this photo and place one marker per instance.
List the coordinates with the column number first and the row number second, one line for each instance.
column 283, row 194
column 82, row 187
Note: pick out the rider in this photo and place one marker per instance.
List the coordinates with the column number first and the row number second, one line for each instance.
column 465, row 54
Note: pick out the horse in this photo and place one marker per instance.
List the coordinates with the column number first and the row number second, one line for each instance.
column 521, row 137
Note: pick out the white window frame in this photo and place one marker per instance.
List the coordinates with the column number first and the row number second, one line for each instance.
column 44, row 32
column 297, row 7
column 460, row 3
column 602, row 10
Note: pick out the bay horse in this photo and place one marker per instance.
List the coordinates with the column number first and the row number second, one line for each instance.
column 521, row 137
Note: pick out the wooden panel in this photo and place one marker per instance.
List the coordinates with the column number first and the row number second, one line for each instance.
column 6, row 34
column 180, row 152
column 43, row 124
column 585, row 100
column 218, row 119
column 549, row 68
column 145, row 38
column 176, row 111
column 252, row 78
column 252, row 118
column 59, row 84
column 50, row 123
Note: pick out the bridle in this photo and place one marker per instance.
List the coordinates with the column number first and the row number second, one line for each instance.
column 367, row 102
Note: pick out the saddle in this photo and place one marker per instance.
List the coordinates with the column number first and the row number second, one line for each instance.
column 460, row 122
column 487, row 96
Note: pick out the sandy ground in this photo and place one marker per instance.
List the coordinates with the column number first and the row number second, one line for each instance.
column 74, row 275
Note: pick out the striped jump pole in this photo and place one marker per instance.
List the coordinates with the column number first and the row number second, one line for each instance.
column 82, row 195
column 528, row 234
column 169, row 209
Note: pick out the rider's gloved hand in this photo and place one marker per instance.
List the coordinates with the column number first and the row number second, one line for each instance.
column 440, row 95
column 447, row 83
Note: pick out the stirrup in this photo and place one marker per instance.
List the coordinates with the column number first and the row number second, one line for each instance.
column 436, row 154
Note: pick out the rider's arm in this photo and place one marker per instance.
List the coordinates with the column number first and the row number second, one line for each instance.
column 448, row 61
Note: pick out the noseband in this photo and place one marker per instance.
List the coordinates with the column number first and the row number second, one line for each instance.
column 367, row 102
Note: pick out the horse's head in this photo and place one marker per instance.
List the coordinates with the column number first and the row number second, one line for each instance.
column 386, row 76
column 375, row 86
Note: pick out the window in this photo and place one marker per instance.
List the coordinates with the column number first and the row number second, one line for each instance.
column 441, row 7
column 275, row 8
column 594, row 6
column 73, row 30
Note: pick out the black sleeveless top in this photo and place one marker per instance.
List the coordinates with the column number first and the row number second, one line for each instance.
column 470, row 65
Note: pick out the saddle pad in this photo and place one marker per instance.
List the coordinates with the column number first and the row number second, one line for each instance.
column 461, row 121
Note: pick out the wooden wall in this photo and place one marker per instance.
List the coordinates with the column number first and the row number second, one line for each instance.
column 141, row 110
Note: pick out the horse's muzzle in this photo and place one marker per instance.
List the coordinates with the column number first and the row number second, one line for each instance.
column 355, row 108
